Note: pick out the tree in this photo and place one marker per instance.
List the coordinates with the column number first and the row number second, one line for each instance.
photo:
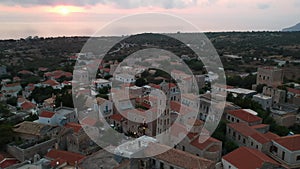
column 141, row 82
column 12, row 101
column 6, row 134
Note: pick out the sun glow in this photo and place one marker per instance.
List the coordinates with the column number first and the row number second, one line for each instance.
column 65, row 10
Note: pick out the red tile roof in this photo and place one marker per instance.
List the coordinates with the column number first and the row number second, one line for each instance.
column 47, row 114
column 242, row 128
column 180, row 108
column 177, row 157
column 27, row 106
column 58, row 162
column 51, row 82
column 89, row 121
column 247, row 158
column 259, row 126
column 206, row 144
column 292, row 90
column 117, row 117
column 290, row 142
column 8, row 162
column 25, row 72
column 260, row 138
column 75, row 126
column 70, row 157
column 244, row 115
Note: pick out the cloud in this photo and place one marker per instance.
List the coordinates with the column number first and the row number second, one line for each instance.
column 263, row 6
column 118, row 3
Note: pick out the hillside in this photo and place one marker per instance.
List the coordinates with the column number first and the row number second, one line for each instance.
column 293, row 28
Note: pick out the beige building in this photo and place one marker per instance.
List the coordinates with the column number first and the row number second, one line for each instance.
column 271, row 76
column 286, row 150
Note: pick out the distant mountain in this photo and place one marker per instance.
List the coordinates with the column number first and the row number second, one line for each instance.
column 293, row 28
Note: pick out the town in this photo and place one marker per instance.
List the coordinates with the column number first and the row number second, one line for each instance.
column 65, row 117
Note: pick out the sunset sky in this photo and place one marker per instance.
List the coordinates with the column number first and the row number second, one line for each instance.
column 22, row 18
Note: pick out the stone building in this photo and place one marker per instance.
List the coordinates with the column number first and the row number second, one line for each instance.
column 270, row 76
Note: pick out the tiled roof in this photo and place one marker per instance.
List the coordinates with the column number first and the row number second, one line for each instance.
column 259, row 126
column 51, row 82
column 47, row 114
column 247, row 158
column 8, row 162
column 180, row 108
column 75, row 126
column 177, row 157
column 28, row 106
column 117, row 117
column 290, row 142
column 206, row 144
column 28, row 127
column 260, row 138
column 88, row 121
column 292, row 90
column 244, row 115
column 67, row 156
column 242, row 128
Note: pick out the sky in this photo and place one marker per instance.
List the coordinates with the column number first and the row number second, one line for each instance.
column 45, row 18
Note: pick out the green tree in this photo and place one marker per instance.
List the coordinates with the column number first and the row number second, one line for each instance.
column 6, row 135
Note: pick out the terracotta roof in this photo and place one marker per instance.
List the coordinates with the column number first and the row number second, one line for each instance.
column 208, row 143
column 244, row 115
column 51, row 82
column 177, row 157
column 242, row 128
column 12, row 85
column 47, row 114
column 260, row 138
column 75, row 126
column 88, row 121
column 271, row 136
column 100, row 100
column 117, row 117
column 290, row 142
column 292, row 90
column 57, row 162
column 8, row 162
column 259, row 126
column 27, row 106
column 247, row 158
column 171, row 85
column 264, row 138
column 180, row 108
column 194, row 122
column 25, row 72
column 70, row 157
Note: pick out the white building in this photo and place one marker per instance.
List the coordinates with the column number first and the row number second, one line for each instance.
column 264, row 101
column 100, row 83
column 125, row 78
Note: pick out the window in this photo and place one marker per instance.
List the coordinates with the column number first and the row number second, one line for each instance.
column 232, row 119
column 283, row 155
column 251, row 143
column 256, row 146
column 238, row 120
column 161, row 165
column 234, row 134
column 239, row 137
column 183, row 148
column 298, row 158
column 244, row 140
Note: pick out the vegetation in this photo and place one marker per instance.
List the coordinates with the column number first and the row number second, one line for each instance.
column 219, row 134
column 6, row 135
column 248, row 103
